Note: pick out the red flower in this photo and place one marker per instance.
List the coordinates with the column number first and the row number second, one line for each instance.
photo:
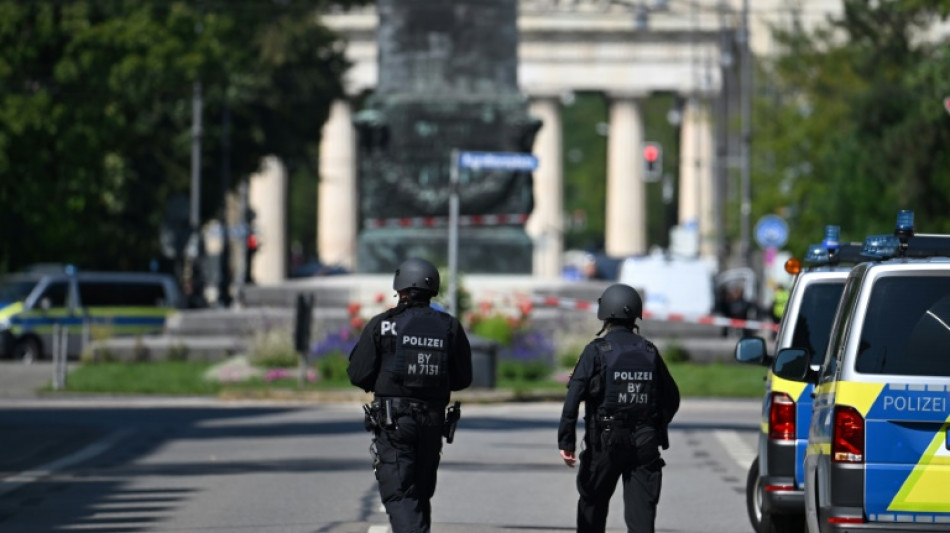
column 526, row 307
column 356, row 323
column 353, row 308
column 379, row 297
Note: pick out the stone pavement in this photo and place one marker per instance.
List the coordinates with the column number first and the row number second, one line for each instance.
column 18, row 380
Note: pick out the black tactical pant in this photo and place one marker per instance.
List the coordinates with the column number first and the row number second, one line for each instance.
column 409, row 456
column 630, row 455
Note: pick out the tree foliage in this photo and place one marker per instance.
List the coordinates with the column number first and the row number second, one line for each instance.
column 96, row 114
column 850, row 126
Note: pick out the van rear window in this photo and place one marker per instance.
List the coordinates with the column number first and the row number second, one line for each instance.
column 907, row 327
column 815, row 315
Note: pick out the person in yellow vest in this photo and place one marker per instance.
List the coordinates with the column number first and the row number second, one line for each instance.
column 779, row 303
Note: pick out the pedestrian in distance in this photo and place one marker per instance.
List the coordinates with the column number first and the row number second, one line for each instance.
column 629, row 399
column 411, row 357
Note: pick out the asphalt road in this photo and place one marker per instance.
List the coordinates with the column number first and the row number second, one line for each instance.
column 195, row 465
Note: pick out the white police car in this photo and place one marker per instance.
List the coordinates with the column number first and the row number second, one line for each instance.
column 878, row 455
column 776, row 480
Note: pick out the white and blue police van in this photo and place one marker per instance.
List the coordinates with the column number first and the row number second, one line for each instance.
column 84, row 305
column 878, row 453
column 775, row 485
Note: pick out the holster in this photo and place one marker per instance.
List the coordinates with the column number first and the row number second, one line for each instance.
column 378, row 415
column 452, row 416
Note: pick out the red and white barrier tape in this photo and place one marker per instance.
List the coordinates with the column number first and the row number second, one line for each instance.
column 440, row 222
column 706, row 320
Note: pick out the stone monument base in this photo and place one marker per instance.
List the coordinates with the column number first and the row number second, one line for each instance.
column 496, row 250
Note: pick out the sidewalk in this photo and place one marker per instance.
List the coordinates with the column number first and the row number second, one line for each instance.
column 18, row 380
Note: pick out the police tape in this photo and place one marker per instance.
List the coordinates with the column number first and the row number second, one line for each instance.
column 440, row 222
column 705, row 320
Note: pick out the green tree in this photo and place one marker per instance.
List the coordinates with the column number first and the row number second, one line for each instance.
column 96, row 114
column 850, row 127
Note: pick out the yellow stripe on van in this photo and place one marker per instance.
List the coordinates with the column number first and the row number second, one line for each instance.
column 793, row 388
column 861, row 396
column 11, row 310
column 926, row 487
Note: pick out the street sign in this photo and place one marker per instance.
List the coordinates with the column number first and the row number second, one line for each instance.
column 771, row 231
column 498, row 161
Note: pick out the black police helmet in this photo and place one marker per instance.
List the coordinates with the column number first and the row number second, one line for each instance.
column 619, row 302
column 417, row 273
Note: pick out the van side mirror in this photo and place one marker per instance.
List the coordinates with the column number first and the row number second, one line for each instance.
column 45, row 303
column 794, row 364
column 751, row 350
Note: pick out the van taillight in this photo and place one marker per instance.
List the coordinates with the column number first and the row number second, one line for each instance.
column 781, row 417
column 847, row 435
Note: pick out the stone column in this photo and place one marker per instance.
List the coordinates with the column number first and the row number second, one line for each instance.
column 626, row 191
column 337, row 197
column 267, row 196
column 696, row 192
column 546, row 225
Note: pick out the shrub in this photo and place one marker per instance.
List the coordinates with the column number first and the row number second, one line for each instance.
column 495, row 327
column 674, row 353
column 273, row 348
column 525, row 371
column 178, row 352
column 332, row 368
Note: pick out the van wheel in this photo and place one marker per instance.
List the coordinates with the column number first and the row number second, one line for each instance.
column 763, row 522
column 784, row 523
column 753, row 497
column 27, row 350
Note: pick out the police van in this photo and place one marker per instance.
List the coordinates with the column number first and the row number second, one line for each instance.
column 33, row 304
column 775, row 482
column 878, row 454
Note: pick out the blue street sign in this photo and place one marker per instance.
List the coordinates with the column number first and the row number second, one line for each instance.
column 771, row 231
column 498, row 161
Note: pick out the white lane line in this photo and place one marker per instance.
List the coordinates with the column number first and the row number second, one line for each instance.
column 378, row 529
column 738, row 450
column 15, row 481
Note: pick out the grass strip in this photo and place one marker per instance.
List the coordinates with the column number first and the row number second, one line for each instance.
column 187, row 378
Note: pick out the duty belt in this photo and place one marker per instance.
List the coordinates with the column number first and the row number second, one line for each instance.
column 610, row 422
column 412, row 404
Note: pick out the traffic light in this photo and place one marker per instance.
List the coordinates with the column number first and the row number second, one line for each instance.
column 251, row 245
column 652, row 161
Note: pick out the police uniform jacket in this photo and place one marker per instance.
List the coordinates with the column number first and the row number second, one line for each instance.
column 371, row 358
column 589, row 368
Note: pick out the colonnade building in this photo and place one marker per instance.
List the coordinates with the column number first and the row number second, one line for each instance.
column 625, row 52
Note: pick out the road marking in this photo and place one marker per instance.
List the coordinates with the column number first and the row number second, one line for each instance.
column 378, row 529
column 15, row 481
column 741, row 453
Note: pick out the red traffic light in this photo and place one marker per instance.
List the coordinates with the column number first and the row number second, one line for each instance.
column 252, row 242
column 651, row 153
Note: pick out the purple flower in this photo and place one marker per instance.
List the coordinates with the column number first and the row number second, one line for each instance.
column 530, row 346
column 342, row 341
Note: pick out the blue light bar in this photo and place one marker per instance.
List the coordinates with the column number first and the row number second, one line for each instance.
column 881, row 246
column 817, row 253
column 905, row 222
column 832, row 237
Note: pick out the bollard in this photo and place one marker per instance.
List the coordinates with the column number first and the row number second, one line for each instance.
column 60, row 351
column 302, row 325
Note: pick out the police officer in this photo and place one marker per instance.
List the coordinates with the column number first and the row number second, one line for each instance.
column 629, row 399
column 410, row 357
